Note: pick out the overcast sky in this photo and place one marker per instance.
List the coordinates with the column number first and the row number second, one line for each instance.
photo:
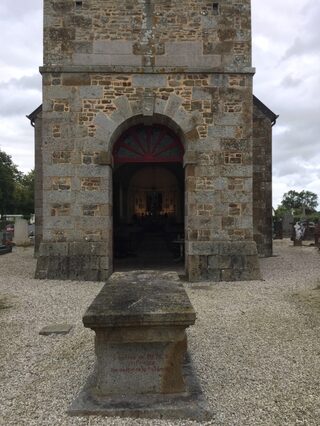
column 286, row 54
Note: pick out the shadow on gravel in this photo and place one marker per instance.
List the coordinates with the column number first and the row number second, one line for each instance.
column 6, row 302
column 309, row 302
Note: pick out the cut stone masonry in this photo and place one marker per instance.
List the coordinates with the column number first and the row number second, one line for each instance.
column 109, row 66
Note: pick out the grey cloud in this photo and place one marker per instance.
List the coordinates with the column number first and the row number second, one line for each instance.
column 15, row 9
column 20, row 97
column 306, row 46
column 290, row 81
column 296, row 152
column 25, row 82
column 308, row 41
column 21, row 34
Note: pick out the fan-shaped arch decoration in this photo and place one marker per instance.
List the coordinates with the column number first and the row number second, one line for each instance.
column 148, row 144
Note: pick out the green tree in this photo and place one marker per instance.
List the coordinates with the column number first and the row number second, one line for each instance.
column 9, row 175
column 24, row 194
column 304, row 202
column 16, row 189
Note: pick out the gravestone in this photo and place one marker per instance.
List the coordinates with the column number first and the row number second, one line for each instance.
column 139, row 319
column 287, row 222
column 21, row 232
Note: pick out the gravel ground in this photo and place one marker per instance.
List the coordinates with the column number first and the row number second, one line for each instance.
column 255, row 345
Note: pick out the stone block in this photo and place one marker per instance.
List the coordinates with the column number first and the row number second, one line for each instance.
column 107, row 125
column 57, row 92
column 59, row 170
column 181, row 116
column 105, row 263
column 98, row 223
column 174, row 102
column 192, row 136
column 213, row 262
column 214, row 274
column 124, row 108
column 191, row 122
column 105, row 158
column 202, row 93
column 112, row 47
column 91, row 92
column 79, row 268
column 106, row 59
column 83, row 47
column 236, row 197
column 61, row 329
column 57, row 197
column 197, row 267
column 149, row 81
column 75, row 79
column 246, row 248
column 84, row 248
column 186, row 54
column 236, row 170
column 53, row 249
column 94, row 197
column 203, row 248
column 159, row 106
column 93, row 171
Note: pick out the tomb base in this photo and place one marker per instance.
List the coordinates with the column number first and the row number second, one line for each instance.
column 141, row 345
column 188, row 405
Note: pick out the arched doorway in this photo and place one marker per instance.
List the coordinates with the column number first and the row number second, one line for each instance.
column 148, row 198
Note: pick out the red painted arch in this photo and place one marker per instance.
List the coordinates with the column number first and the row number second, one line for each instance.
column 148, row 144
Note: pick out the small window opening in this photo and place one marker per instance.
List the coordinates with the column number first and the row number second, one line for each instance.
column 78, row 4
column 215, row 8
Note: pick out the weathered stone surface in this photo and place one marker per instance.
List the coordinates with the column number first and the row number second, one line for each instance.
column 186, row 68
column 140, row 319
column 186, row 53
column 140, row 341
column 85, row 268
column 90, row 92
column 262, row 182
column 21, row 235
column 140, row 299
column 189, row 405
column 149, row 81
column 56, row 329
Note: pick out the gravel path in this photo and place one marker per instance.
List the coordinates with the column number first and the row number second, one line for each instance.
column 255, row 345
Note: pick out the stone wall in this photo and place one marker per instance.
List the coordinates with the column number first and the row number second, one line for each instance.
column 186, row 65
column 176, row 33
column 38, row 189
column 262, row 181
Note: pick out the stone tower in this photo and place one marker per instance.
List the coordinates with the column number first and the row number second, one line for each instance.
column 131, row 86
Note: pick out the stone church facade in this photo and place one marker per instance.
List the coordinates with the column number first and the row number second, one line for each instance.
column 148, row 113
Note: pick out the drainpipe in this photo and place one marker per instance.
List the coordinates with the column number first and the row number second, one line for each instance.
column 273, row 122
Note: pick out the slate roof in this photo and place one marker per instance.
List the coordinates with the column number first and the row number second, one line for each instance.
column 265, row 110
column 32, row 117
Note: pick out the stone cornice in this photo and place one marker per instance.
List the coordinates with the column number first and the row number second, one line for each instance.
column 143, row 70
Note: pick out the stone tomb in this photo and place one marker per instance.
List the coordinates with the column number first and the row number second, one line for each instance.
column 141, row 370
